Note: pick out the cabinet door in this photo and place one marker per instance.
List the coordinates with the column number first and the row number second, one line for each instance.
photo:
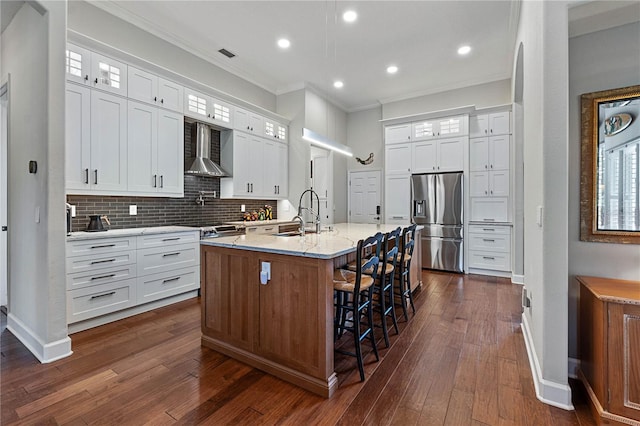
column 271, row 173
column 282, row 167
column 398, row 159
column 170, row 95
column 77, row 137
column 78, row 64
column 499, row 150
column 424, row 157
column 142, row 85
column 478, row 126
column 241, row 167
column 142, row 136
column 220, row 113
column 479, row 184
column 398, row 133
column 499, row 183
column 422, row 130
column 479, row 154
column 257, row 166
column 108, row 74
column 281, row 132
column 269, row 129
column 255, row 123
column 170, row 153
column 196, row 104
column 452, row 126
column 624, row 360
column 500, row 123
column 397, row 191
column 450, row 155
column 108, row 142
column 241, row 120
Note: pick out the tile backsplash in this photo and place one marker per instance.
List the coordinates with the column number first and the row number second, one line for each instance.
column 158, row 211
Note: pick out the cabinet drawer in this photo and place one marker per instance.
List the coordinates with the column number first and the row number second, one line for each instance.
column 261, row 229
column 490, row 209
column 163, row 259
column 102, row 276
column 162, row 240
column 490, row 260
column 100, row 246
column 158, row 286
column 489, row 229
column 493, row 243
column 93, row 263
column 89, row 302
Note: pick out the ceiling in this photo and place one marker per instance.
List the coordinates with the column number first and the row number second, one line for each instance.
column 420, row 37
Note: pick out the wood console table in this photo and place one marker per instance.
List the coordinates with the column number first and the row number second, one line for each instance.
column 609, row 341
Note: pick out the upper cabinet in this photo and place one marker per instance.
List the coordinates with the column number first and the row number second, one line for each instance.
column 149, row 88
column 438, row 128
column 274, row 130
column 78, row 64
column 248, row 121
column 398, row 133
column 498, row 123
column 95, row 70
column 207, row 109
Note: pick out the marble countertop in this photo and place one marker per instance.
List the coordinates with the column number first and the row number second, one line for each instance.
column 342, row 239
column 128, row 232
column 259, row 222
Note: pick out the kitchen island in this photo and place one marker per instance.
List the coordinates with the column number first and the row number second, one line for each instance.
column 284, row 326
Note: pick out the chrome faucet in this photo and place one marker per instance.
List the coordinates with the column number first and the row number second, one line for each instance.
column 302, row 225
column 310, row 210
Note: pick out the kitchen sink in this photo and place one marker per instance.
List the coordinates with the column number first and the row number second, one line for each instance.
column 293, row 233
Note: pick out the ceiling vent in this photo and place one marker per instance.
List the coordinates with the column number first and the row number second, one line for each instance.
column 226, row 53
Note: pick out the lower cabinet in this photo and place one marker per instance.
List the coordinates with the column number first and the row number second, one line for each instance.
column 397, row 190
column 490, row 247
column 609, row 342
column 107, row 275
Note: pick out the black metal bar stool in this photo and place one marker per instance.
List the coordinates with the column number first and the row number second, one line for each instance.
column 403, row 282
column 383, row 286
column 354, row 292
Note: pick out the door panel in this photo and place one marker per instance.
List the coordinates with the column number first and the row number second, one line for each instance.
column 108, row 142
column 78, row 137
column 364, row 197
column 142, row 136
column 449, row 198
column 170, row 152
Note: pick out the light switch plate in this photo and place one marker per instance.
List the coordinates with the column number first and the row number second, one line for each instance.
column 242, row 208
column 133, row 210
column 539, row 212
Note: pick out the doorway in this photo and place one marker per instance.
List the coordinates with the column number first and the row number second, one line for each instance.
column 364, row 196
column 322, row 182
column 4, row 297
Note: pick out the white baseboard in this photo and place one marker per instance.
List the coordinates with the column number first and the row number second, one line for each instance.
column 574, row 366
column 45, row 352
column 552, row 393
column 517, row 279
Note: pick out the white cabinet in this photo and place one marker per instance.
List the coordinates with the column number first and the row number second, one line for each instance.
column 489, row 184
column 282, row 132
column 220, row 113
column 108, row 165
column 149, row 88
column 275, row 172
column 78, row 137
column 248, row 121
column 422, row 130
column 397, row 191
column 438, row 155
column 490, row 247
column 78, row 64
column 274, row 130
column 498, row 123
column 398, row 159
column 108, row 74
column 424, row 156
column 155, row 141
column 397, row 134
column 492, row 153
column 208, row 109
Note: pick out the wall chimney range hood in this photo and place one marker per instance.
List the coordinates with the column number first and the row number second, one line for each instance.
column 201, row 164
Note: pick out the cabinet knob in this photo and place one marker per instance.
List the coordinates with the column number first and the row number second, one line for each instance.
column 155, row 99
column 485, row 192
column 491, row 130
column 485, row 166
column 492, row 191
column 485, row 131
column 408, row 137
column 492, row 166
column 162, row 101
column 86, row 77
column 96, row 81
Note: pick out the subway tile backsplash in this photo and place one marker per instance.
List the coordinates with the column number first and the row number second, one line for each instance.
column 158, row 211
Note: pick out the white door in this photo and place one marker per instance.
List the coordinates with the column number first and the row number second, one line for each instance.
column 398, row 159
column 78, row 137
column 3, row 197
column 451, row 155
column 424, row 157
column 170, row 153
column 499, row 147
column 364, row 196
column 142, row 135
column 108, row 142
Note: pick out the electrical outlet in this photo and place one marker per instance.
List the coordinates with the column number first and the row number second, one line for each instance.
column 73, row 211
column 133, row 210
column 242, row 208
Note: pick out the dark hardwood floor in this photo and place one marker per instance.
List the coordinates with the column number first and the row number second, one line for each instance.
column 460, row 361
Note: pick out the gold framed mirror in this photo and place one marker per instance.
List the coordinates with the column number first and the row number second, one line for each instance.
column 610, row 166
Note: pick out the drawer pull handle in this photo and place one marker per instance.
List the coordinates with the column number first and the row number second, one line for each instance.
column 104, row 246
column 397, row 217
column 171, row 239
column 103, row 276
column 103, row 295
column 488, row 257
column 488, row 240
column 102, row 261
column 268, row 229
column 171, row 254
column 488, row 229
column 168, row 280
column 489, row 220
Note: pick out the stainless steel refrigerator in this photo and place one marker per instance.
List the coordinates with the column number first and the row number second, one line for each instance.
column 437, row 201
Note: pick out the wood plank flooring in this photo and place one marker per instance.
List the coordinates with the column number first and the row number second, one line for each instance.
column 460, row 360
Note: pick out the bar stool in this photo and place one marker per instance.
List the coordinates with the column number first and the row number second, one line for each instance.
column 354, row 292
column 404, row 277
column 383, row 286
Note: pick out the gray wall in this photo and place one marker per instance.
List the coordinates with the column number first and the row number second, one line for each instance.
column 602, row 60
column 33, row 55
column 102, row 26
column 365, row 135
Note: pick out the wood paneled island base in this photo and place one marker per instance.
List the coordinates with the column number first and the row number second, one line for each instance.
column 283, row 327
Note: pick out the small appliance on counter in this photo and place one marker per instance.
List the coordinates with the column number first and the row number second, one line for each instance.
column 95, row 223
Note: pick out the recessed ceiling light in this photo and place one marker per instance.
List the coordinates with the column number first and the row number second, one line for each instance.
column 349, row 16
column 284, row 43
column 338, row 84
column 463, row 50
column 392, row 69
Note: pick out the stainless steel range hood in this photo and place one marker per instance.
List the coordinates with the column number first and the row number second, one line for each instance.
column 201, row 164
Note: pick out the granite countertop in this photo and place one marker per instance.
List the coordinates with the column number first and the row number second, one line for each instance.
column 128, row 232
column 342, row 239
column 259, row 222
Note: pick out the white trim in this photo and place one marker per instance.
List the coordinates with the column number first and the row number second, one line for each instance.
column 45, row 352
column 488, row 272
column 574, row 367
column 517, row 279
column 467, row 109
column 552, row 393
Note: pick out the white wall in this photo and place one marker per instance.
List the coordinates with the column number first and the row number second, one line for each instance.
column 481, row 95
column 364, row 135
column 33, row 55
column 543, row 30
column 589, row 72
column 102, row 26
